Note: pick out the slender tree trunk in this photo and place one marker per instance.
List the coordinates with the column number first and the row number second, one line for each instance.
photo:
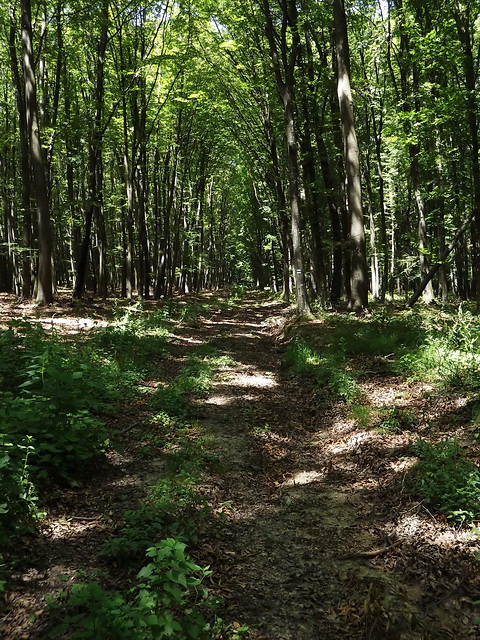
column 288, row 54
column 278, row 187
column 45, row 275
column 95, row 158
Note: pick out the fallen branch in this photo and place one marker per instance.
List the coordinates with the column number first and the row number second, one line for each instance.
column 373, row 553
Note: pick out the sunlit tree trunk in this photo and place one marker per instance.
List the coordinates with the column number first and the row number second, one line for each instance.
column 359, row 269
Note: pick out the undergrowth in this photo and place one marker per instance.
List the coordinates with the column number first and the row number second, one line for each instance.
column 441, row 347
column 328, row 368
column 167, row 600
column 447, row 480
column 56, row 393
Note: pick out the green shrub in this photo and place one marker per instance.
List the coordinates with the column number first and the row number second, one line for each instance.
column 53, row 392
column 395, row 419
column 168, row 601
column 447, row 480
column 449, row 354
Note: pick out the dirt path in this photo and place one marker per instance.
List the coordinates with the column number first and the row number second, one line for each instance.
column 321, row 541
column 318, row 539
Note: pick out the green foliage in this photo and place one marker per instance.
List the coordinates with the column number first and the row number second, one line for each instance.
column 53, row 392
column 195, row 380
column 173, row 508
column 327, row 369
column 237, row 292
column 382, row 334
column 447, row 480
column 395, row 419
column 362, row 414
column 167, row 601
column 449, row 355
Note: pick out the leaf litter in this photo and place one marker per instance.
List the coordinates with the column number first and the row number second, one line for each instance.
column 318, row 536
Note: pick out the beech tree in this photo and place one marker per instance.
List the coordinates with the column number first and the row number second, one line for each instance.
column 359, row 272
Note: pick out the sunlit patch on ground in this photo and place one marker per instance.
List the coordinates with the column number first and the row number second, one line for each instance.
column 253, row 380
column 304, row 477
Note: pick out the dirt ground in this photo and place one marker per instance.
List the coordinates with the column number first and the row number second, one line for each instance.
column 320, row 538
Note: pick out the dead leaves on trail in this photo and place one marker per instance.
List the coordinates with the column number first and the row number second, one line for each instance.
column 314, row 532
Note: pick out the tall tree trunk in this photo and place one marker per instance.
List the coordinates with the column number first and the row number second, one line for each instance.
column 359, row 276
column 94, row 155
column 45, row 274
column 289, row 54
column 24, row 164
column 463, row 21
column 278, row 187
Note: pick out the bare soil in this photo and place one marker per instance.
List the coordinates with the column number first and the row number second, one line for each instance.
column 320, row 536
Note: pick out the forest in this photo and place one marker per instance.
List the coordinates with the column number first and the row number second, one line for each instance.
column 160, row 147
column 239, row 331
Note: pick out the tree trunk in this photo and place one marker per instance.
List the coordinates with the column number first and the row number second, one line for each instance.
column 288, row 54
column 95, row 158
column 45, row 275
column 359, row 275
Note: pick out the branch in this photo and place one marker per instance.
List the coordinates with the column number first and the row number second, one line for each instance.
column 443, row 256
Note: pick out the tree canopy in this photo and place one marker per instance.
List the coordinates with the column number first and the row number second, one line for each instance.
column 326, row 149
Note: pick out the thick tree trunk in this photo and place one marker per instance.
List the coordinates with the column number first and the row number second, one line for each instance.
column 463, row 21
column 45, row 275
column 24, row 165
column 359, row 275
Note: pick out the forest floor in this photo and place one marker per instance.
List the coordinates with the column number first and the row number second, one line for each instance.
column 313, row 532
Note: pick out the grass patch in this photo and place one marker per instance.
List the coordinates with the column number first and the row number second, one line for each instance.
column 327, row 369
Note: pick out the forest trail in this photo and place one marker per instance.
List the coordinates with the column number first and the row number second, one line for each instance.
column 319, row 541
column 316, row 537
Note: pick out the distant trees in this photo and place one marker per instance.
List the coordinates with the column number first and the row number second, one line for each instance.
column 185, row 146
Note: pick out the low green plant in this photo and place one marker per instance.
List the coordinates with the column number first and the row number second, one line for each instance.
column 396, row 419
column 192, row 457
column 447, row 480
column 178, row 497
column 167, row 601
column 327, row 369
column 140, row 528
column 362, row 414
column 237, row 292
column 449, row 353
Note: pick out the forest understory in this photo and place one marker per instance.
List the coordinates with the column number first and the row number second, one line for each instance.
column 300, row 492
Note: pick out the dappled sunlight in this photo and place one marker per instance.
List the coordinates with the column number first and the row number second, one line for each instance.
column 229, row 323
column 189, row 340
column 350, row 444
column 304, row 477
column 74, row 526
column 253, row 380
column 219, row 400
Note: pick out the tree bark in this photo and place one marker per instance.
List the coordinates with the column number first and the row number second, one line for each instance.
column 289, row 54
column 359, row 269
column 95, row 157
column 45, row 275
